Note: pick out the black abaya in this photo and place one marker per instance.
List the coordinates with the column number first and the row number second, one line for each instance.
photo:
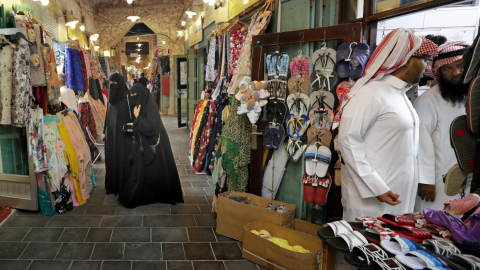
column 154, row 177
column 118, row 143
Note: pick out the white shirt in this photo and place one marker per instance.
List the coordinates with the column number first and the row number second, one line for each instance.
column 68, row 97
column 435, row 155
column 378, row 139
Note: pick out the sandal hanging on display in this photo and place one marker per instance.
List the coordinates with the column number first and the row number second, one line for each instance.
column 323, row 136
column 454, row 181
column 310, row 160
column 243, row 87
column 473, row 106
column 359, row 57
column 296, row 126
column 298, row 104
column 365, row 255
column 273, row 137
column 324, row 60
column 463, row 143
column 276, row 110
column 309, row 183
column 471, row 60
column 342, row 91
column 344, row 53
column 323, row 157
column 299, row 147
column 322, row 99
column 298, row 85
column 323, row 187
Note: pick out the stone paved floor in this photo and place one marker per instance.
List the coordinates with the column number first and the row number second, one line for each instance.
column 104, row 235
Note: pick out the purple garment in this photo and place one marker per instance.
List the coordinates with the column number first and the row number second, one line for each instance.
column 73, row 69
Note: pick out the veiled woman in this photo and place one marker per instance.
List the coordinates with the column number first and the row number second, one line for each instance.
column 154, row 176
column 118, row 142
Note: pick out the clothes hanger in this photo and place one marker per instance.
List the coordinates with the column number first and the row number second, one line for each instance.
column 22, row 36
column 2, row 36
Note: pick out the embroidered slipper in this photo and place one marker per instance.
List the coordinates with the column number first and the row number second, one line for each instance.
column 400, row 245
column 298, row 85
column 321, row 192
column 441, row 247
column 308, row 188
column 463, row 143
column 472, row 247
column 419, row 259
column 359, row 57
column 322, row 99
column 334, row 229
column 276, row 110
column 457, row 228
column 463, row 261
column 471, row 61
column 346, row 242
column 310, row 160
column 454, row 181
column 323, row 156
column 473, row 106
column 343, row 67
column 365, row 255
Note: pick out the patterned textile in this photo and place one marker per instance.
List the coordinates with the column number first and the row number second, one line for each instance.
column 437, row 63
column 85, row 117
column 88, row 68
column 205, row 140
column 100, row 108
column 196, row 125
column 21, row 90
column 73, row 70
column 237, row 39
column 300, row 66
column 210, row 75
column 36, row 145
column 61, row 199
column 57, row 164
column 6, row 63
column 391, row 54
column 45, row 197
column 37, row 67
column 201, row 128
column 25, row 21
column 51, row 76
column 427, row 48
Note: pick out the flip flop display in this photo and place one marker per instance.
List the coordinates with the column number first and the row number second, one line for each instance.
column 298, row 85
column 359, row 58
column 473, row 106
column 343, row 67
column 273, row 136
column 463, row 141
column 323, row 187
column 454, row 180
column 322, row 99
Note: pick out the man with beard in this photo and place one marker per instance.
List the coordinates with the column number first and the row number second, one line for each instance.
column 437, row 108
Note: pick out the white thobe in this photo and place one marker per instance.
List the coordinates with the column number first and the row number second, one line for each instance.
column 68, row 97
column 378, row 139
column 435, row 155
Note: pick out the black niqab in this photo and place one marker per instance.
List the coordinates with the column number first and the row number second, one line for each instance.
column 118, row 88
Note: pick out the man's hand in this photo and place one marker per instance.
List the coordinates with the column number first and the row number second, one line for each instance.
column 426, row 192
column 390, row 198
column 136, row 111
column 103, row 137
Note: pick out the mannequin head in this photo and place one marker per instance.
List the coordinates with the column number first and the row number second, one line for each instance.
column 62, row 78
column 413, row 70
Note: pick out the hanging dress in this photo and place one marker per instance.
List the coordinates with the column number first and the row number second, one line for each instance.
column 21, row 88
column 37, row 67
column 6, row 64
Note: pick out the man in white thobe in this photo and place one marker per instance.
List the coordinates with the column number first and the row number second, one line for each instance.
column 378, row 133
column 437, row 108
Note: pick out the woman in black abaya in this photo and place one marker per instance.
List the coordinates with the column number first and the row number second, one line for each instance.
column 118, row 143
column 154, row 177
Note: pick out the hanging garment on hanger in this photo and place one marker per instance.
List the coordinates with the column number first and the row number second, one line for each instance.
column 86, row 81
column 202, row 124
column 210, row 75
column 45, row 197
column 6, row 64
column 85, row 116
column 36, row 140
column 73, row 70
column 205, row 140
column 37, row 67
column 237, row 39
column 21, row 90
column 51, row 76
column 57, row 166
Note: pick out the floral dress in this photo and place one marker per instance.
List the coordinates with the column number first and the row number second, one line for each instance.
column 36, row 145
column 237, row 39
column 6, row 62
column 37, row 67
column 21, row 88
column 51, row 76
column 57, row 164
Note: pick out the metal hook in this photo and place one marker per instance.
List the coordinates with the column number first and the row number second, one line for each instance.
column 383, row 33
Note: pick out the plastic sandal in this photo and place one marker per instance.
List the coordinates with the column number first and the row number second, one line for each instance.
column 298, row 149
column 276, row 110
column 324, row 60
column 414, row 233
column 471, row 60
column 472, row 247
column 347, row 241
column 359, row 59
column 323, row 136
column 365, row 255
column 419, row 259
column 334, row 229
column 463, row 262
column 385, row 264
column 438, row 232
column 375, row 233
column 342, row 91
column 441, row 247
column 322, row 99
column 397, row 220
column 316, row 81
column 400, row 245
column 343, row 67
column 457, row 228
column 467, row 221
column 324, row 156
column 322, row 190
column 462, row 205
column 308, row 188
column 273, row 136
column 361, row 223
column 473, row 106
column 463, row 141
column 454, row 181
column 310, row 154
column 475, row 222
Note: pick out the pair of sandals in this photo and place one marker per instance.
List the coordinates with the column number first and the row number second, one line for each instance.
column 298, row 104
column 273, row 137
column 473, row 106
column 463, row 142
column 276, row 111
column 321, row 118
column 324, row 74
column 351, row 59
column 277, row 65
column 294, row 148
column 322, row 136
column 277, row 89
column 317, row 160
column 300, row 66
column 296, row 126
column 315, row 189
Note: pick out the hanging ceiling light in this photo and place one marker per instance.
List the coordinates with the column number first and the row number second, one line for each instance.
column 190, row 14
column 138, row 38
column 72, row 23
column 138, row 49
column 139, row 44
column 179, row 32
column 94, row 37
column 129, row 1
column 183, row 23
column 133, row 18
column 163, row 42
column 205, row 1
column 96, row 48
column 211, row 2
column 44, row 2
column 82, row 27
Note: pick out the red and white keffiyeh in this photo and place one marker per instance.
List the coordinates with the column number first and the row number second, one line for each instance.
column 392, row 53
column 449, row 46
